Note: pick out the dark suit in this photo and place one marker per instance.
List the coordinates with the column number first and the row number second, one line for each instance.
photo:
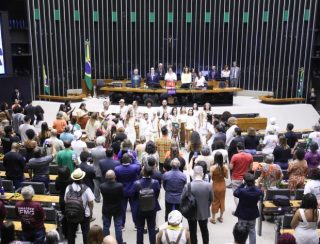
column 107, row 164
column 247, row 210
column 153, row 81
column 213, row 74
column 135, row 83
column 161, row 73
column 112, row 193
column 90, row 175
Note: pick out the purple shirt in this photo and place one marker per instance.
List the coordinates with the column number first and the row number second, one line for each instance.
column 31, row 215
column 312, row 159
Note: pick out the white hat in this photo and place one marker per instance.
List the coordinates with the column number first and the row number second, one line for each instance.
column 100, row 140
column 77, row 134
column 174, row 217
column 78, row 174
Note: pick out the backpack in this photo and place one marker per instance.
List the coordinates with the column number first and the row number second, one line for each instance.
column 188, row 205
column 147, row 199
column 173, row 242
column 74, row 210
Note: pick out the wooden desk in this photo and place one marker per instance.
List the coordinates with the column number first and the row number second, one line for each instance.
column 49, row 227
column 272, row 100
column 37, row 198
column 258, row 123
column 26, row 175
column 62, row 98
column 268, row 205
column 178, row 91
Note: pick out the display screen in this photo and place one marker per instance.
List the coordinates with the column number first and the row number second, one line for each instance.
column 2, row 69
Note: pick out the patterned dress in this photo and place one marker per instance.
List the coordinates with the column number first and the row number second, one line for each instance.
column 297, row 172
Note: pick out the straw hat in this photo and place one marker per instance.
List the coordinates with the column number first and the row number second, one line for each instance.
column 78, row 174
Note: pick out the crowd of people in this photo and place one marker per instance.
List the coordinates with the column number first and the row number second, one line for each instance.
column 130, row 154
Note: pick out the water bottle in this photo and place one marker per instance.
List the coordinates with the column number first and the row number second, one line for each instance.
column 2, row 192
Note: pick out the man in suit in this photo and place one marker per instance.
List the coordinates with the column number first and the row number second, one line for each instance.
column 112, row 193
column 150, row 216
column 108, row 163
column 152, row 79
column 98, row 153
column 135, row 78
column 202, row 191
column 213, row 73
column 234, row 75
column 161, row 71
column 247, row 210
column 88, row 169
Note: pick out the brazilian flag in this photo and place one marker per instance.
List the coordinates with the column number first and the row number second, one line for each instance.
column 45, row 81
column 87, row 68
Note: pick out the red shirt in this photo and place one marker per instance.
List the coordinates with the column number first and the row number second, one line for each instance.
column 31, row 214
column 241, row 162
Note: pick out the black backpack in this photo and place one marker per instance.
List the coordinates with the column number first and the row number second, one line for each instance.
column 74, row 210
column 188, row 205
column 147, row 199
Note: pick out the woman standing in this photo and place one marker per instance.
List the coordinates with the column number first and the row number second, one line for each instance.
column 194, row 145
column 305, row 221
column 44, row 133
column 186, row 78
column 182, row 117
column 282, row 153
column 166, row 121
column 130, row 126
column 218, row 173
column 225, row 73
column 82, row 115
column 92, row 126
column 191, row 124
column 297, row 171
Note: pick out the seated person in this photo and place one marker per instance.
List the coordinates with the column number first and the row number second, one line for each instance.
column 135, row 78
column 186, row 78
column 153, row 79
column 199, row 81
column 170, row 78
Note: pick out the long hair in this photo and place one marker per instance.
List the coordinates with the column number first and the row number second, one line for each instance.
column 195, row 141
column 218, row 159
column 95, row 235
column 309, row 201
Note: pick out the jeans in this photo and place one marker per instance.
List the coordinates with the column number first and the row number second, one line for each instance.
column 251, row 225
column 96, row 192
column 42, row 178
column 151, row 224
column 34, row 236
column 204, row 231
column 16, row 181
column 170, row 207
column 133, row 206
column 106, row 219
column 72, row 230
column 251, row 151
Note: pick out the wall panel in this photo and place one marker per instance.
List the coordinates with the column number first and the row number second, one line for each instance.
column 269, row 39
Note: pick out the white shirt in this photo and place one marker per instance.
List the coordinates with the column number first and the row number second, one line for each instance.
column 145, row 127
column 23, row 128
column 225, row 73
column 313, row 186
column 182, row 118
column 186, row 78
column 229, row 134
column 315, row 137
column 191, row 123
column 170, row 76
column 78, row 146
column 200, row 81
column 91, row 129
column 270, row 142
column 87, row 196
column 162, row 110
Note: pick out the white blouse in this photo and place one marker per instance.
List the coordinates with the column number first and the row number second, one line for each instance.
column 225, row 73
column 186, row 78
column 200, row 81
column 170, row 76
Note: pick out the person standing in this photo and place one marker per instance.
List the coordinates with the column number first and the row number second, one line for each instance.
column 163, row 145
column 32, row 217
column 8, row 139
column 67, row 157
column 86, row 167
column 234, row 75
column 112, row 194
column 127, row 173
column 247, row 210
column 87, row 197
column 144, row 211
column 108, row 163
column 173, row 184
column 24, row 127
column 202, row 192
column 218, row 173
column 98, row 153
column 240, row 164
column 135, row 78
column 14, row 164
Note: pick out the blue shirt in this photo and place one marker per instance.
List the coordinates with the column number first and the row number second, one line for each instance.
column 173, row 183
column 66, row 137
column 127, row 174
column 249, row 197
